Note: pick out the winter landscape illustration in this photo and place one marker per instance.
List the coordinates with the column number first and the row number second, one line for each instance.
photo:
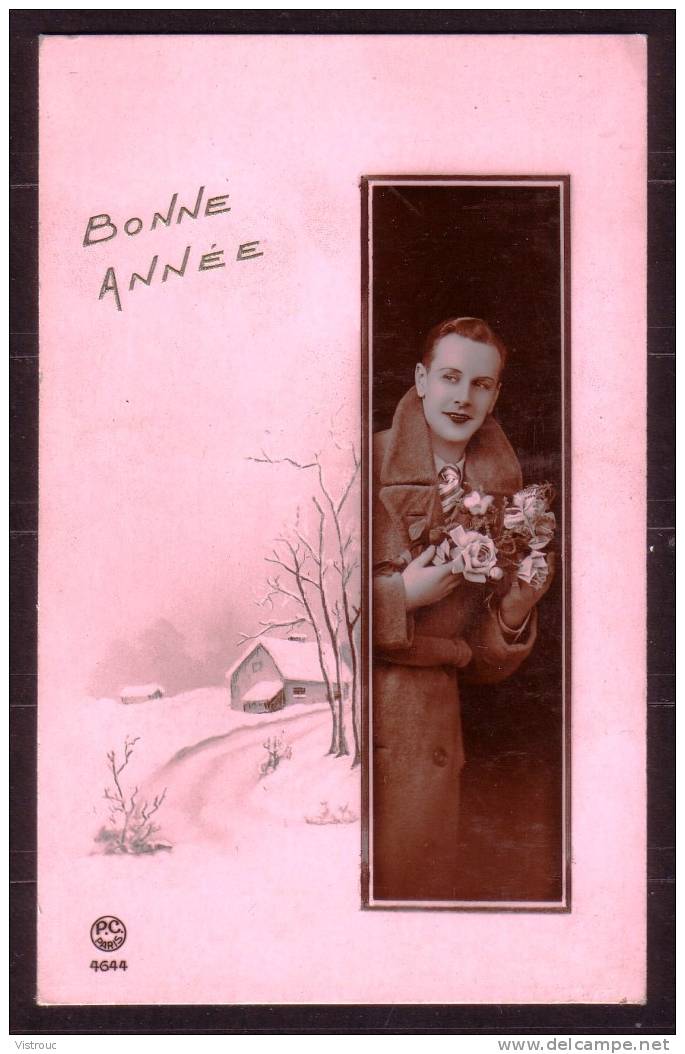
column 273, row 751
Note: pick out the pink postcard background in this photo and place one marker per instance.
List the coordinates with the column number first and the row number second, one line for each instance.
column 148, row 506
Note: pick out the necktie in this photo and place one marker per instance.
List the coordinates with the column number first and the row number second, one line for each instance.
column 449, row 488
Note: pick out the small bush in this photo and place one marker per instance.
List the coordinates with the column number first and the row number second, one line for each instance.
column 277, row 748
column 130, row 827
column 343, row 814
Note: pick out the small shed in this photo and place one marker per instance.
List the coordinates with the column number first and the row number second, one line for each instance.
column 264, row 697
column 274, row 673
column 141, row 693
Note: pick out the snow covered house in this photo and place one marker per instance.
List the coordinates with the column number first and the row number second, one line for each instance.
column 273, row 673
column 140, row 693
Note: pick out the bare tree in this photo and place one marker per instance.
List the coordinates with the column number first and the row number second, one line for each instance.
column 131, row 827
column 346, row 611
column 318, row 558
column 346, row 565
column 295, row 565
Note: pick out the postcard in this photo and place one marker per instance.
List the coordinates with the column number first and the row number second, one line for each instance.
column 342, row 459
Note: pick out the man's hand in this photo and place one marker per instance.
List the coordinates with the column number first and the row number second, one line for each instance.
column 423, row 584
column 522, row 598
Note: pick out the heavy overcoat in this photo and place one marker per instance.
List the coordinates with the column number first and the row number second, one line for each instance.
column 415, row 718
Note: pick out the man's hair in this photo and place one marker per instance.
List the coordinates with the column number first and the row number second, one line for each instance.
column 473, row 328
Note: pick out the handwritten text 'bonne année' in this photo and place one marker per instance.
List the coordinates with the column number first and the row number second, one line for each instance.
column 102, row 228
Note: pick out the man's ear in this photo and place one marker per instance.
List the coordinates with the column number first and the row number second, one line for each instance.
column 420, row 379
column 495, row 397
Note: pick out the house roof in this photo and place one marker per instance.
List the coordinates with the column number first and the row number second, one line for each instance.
column 142, row 690
column 263, row 691
column 296, row 661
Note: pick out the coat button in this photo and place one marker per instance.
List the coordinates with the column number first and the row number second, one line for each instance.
column 440, row 757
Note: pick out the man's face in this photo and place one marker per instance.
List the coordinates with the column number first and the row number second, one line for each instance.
column 459, row 389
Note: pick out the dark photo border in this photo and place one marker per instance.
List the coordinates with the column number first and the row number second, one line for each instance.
column 474, row 215
column 657, row 1015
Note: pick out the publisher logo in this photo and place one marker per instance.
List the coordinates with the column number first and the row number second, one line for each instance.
column 108, row 933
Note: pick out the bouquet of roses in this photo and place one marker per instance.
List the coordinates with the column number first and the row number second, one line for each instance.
column 489, row 538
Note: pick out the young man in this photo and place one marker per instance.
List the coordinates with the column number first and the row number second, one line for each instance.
column 427, row 621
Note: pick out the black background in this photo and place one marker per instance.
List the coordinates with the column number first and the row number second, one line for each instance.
column 658, row 1013
column 492, row 252
column 495, row 253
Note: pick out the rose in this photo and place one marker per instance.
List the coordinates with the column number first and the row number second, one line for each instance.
column 529, row 515
column 533, row 569
column 471, row 553
column 474, row 555
column 543, row 530
column 514, row 519
column 443, row 553
column 526, row 506
column 477, row 503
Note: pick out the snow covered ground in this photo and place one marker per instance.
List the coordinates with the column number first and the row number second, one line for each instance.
column 208, row 757
column 253, row 904
column 224, row 915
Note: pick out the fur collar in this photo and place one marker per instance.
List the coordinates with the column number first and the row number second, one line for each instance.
column 408, row 477
column 491, row 464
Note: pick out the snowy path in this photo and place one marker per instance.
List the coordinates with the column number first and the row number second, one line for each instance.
column 214, row 787
column 250, row 892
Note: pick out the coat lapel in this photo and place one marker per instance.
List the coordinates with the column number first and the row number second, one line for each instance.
column 408, row 488
column 410, row 506
column 408, row 479
column 491, row 464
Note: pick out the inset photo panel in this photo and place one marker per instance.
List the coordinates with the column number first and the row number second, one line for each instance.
column 467, row 631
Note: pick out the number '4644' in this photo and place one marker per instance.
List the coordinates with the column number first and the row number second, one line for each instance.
column 107, row 964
